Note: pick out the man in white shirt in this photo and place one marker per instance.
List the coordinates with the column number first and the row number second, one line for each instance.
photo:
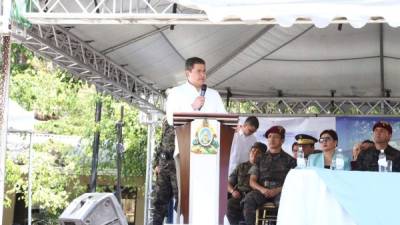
column 242, row 141
column 186, row 97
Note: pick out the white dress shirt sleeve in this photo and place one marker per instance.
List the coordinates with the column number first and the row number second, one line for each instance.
column 176, row 102
column 220, row 104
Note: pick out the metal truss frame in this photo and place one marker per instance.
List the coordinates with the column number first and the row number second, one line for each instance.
column 84, row 62
column 316, row 106
column 111, row 12
column 131, row 12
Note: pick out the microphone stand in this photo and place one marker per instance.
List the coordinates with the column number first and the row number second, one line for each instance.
column 120, row 152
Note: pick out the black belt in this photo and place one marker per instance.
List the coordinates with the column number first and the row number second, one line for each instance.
column 271, row 184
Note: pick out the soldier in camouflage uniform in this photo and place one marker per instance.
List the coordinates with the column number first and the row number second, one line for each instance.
column 367, row 160
column 164, row 165
column 268, row 174
column 239, row 186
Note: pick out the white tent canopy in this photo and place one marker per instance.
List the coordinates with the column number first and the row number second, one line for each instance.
column 286, row 12
column 259, row 60
column 258, row 56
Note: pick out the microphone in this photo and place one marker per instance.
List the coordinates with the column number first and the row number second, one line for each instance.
column 203, row 92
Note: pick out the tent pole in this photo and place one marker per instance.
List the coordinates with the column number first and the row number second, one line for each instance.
column 30, row 168
column 382, row 59
column 4, row 85
column 382, row 65
column 95, row 147
column 151, row 122
column 120, row 152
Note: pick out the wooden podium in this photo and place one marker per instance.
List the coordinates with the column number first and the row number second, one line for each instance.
column 204, row 137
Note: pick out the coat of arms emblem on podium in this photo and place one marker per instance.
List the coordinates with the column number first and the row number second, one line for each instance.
column 205, row 140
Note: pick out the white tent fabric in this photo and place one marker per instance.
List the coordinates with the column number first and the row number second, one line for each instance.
column 260, row 60
column 285, row 12
column 19, row 119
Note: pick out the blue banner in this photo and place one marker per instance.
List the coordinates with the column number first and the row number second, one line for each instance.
column 352, row 130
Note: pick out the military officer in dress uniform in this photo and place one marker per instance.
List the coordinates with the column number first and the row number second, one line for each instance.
column 307, row 142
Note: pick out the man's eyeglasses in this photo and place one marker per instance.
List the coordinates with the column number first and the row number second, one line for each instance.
column 325, row 139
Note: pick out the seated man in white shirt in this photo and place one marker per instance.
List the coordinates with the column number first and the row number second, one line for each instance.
column 243, row 139
column 187, row 98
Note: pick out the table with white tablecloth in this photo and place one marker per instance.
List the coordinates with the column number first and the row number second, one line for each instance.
column 314, row 196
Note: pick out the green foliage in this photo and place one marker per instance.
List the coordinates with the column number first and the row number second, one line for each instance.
column 66, row 106
column 13, row 179
column 76, row 119
column 312, row 110
column 134, row 137
column 20, row 58
column 135, row 145
column 53, row 173
column 52, row 187
column 38, row 88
